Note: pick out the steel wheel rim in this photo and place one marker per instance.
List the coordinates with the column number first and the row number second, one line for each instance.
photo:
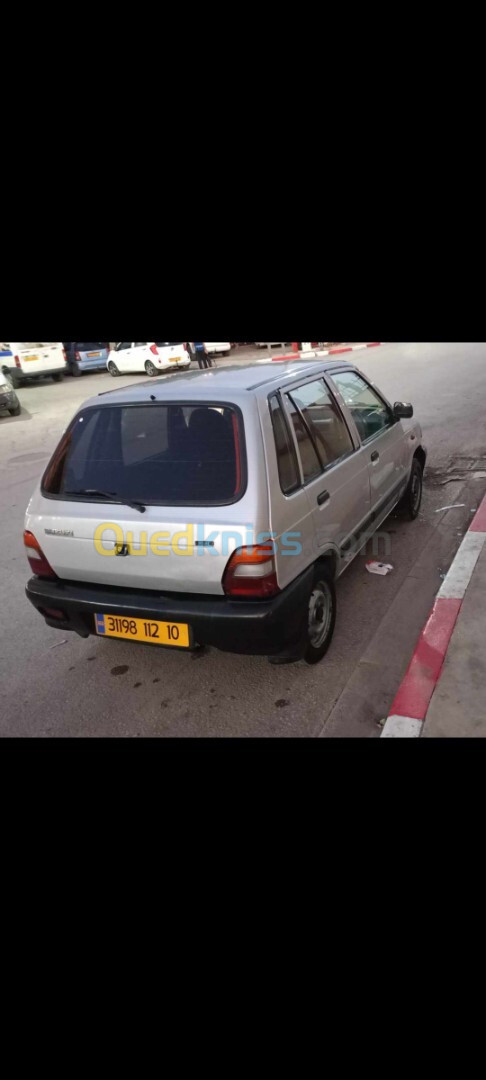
column 416, row 491
column 112, row 368
column 320, row 614
column 149, row 368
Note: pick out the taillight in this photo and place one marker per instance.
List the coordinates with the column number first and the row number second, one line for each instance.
column 17, row 362
column 36, row 557
column 77, row 357
column 153, row 348
column 251, row 572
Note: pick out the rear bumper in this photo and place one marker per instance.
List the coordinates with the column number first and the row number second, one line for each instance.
column 258, row 628
column 21, row 376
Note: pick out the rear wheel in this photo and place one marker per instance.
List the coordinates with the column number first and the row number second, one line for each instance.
column 321, row 614
column 58, row 377
column 112, row 368
column 15, row 411
column 412, row 499
column 150, row 368
column 74, row 369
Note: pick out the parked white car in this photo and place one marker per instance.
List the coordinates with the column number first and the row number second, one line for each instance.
column 222, row 347
column 153, row 357
column 23, row 360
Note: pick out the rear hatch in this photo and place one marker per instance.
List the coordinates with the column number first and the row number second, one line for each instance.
column 182, row 467
column 38, row 357
column 91, row 354
column 170, row 353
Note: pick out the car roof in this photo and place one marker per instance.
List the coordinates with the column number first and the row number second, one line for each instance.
column 221, row 383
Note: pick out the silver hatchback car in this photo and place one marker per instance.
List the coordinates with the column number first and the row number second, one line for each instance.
column 219, row 507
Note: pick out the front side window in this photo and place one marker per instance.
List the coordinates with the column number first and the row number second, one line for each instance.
column 324, row 421
column 165, row 453
column 370, row 413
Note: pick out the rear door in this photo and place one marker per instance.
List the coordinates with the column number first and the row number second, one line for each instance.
column 333, row 466
column 381, row 437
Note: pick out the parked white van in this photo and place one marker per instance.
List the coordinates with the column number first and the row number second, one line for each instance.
column 23, row 360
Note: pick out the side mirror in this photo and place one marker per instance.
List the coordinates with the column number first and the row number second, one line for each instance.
column 402, row 410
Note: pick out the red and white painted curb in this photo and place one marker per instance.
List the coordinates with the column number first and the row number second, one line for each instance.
column 310, row 353
column 409, row 708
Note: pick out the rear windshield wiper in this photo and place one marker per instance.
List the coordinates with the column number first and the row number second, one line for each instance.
column 111, row 496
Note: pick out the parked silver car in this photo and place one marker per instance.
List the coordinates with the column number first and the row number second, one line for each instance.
column 219, row 507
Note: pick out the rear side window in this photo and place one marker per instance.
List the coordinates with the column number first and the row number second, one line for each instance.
column 287, row 465
column 324, row 421
column 311, row 466
column 165, row 453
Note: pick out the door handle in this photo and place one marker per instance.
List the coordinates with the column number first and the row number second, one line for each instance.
column 375, row 455
column 323, row 498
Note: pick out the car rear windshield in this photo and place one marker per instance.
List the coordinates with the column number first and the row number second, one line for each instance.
column 161, row 453
column 87, row 346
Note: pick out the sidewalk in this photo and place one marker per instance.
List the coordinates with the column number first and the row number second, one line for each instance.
column 458, row 706
column 442, row 693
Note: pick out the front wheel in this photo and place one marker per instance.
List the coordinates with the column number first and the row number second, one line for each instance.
column 321, row 615
column 412, row 499
column 112, row 368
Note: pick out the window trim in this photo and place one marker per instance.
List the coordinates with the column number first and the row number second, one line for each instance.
column 91, row 499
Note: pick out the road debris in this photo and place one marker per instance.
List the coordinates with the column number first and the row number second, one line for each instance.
column 453, row 506
column 380, row 568
column 57, row 643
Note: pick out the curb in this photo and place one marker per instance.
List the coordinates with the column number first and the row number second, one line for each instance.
column 324, row 352
column 409, row 707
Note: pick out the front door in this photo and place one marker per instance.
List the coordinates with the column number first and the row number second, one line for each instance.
column 381, row 439
column 124, row 356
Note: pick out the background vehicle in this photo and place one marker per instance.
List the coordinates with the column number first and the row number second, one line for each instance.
column 8, row 397
column 86, row 356
column 153, row 357
column 312, row 455
column 221, row 347
column 24, row 360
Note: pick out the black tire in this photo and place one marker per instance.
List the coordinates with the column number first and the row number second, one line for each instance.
column 58, row 377
column 112, row 368
column 412, row 500
column 150, row 368
column 15, row 411
column 320, row 618
column 14, row 379
column 74, row 370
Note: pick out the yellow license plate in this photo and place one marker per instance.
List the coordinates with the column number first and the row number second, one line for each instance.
column 26, row 358
column 175, row 359
column 93, row 354
column 149, row 630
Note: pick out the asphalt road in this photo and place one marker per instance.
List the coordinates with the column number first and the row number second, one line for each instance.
column 56, row 684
